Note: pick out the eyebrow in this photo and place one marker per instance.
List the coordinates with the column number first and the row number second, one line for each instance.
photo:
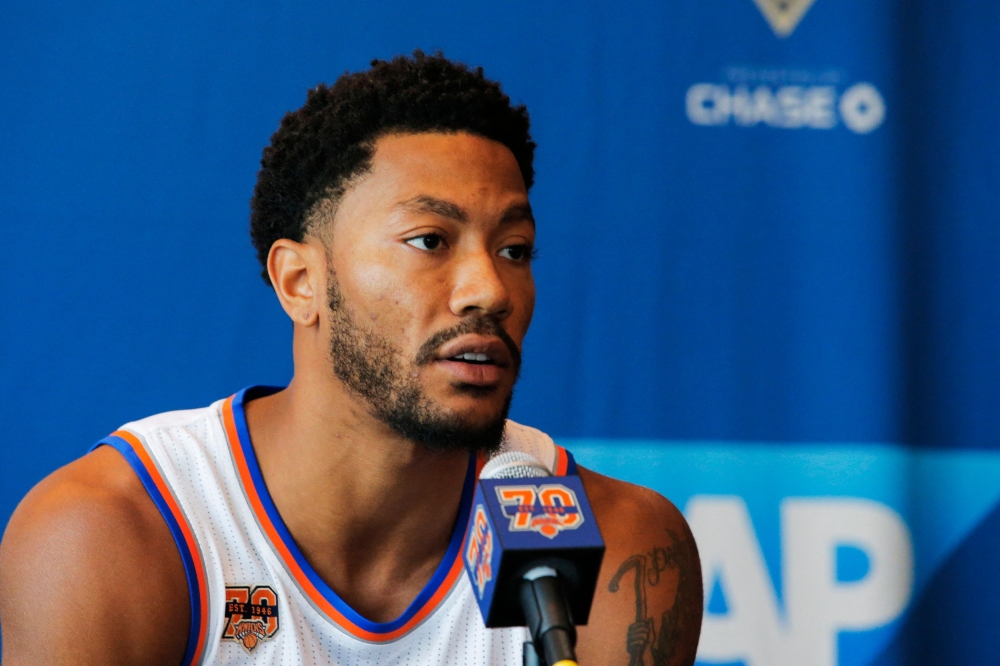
column 428, row 204
column 516, row 213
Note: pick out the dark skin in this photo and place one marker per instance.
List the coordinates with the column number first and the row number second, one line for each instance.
column 439, row 230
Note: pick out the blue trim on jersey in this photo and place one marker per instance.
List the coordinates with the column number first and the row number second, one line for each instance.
column 570, row 464
column 124, row 448
column 239, row 417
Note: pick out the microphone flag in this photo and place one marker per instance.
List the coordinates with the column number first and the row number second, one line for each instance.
column 519, row 524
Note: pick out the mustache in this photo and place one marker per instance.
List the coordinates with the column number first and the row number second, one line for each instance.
column 480, row 325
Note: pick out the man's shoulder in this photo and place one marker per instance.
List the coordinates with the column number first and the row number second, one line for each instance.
column 87, row 534
column 630, row 505
column 649, row 594
column 621, row 502
column 606, row 494
column 98, row 488
column 79, row 511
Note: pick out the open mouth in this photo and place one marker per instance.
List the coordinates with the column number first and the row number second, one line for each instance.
column 474, row 358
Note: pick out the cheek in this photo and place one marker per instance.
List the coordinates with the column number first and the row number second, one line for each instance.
column 373, row 281
column 526, row 307
column 531, row 299
column 395, row 302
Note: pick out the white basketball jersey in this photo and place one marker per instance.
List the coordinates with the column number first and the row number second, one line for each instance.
column 254, row 597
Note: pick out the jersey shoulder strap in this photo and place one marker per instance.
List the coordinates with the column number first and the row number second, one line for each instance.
column 518, row 437
column 142, row 445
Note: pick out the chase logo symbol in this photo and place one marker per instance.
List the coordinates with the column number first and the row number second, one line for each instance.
column 479, row 553
column 784, row 15
column 251, row 615
column 547, row 509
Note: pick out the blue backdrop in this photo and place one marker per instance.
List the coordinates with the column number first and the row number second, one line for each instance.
column 767, row 278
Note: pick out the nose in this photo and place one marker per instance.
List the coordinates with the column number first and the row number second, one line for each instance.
column 478, row 288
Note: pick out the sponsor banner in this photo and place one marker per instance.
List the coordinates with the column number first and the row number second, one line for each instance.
column 812, row 555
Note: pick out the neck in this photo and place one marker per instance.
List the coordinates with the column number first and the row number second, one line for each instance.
column 373, row 513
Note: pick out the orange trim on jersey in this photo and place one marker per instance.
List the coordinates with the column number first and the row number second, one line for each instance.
column 189, row 539
column 562, row 461
column 306, row 585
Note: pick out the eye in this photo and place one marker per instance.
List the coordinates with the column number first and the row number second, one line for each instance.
column 426, row 242
column 523, row 252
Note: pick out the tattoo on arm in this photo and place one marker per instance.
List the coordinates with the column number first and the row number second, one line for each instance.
column 664, row 642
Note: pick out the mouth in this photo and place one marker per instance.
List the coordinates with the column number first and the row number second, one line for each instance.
column 476, row 349
column 475, row 359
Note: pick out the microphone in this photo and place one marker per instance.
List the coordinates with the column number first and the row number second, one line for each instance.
column 533, row 553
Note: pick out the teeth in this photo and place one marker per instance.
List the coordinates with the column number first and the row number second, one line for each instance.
column 473, row 356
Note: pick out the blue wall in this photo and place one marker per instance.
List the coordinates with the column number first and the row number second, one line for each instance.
column 744, row 236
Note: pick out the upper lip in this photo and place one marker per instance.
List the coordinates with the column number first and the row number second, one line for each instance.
column 479, row 344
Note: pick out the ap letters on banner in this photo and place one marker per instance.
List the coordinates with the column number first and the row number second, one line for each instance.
column 817, row 606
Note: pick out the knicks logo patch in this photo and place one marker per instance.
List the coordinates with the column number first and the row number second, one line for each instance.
column 479, row 552
column 251, row 615
column 548, row 509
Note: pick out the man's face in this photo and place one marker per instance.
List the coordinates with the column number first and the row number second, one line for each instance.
column 431, row 291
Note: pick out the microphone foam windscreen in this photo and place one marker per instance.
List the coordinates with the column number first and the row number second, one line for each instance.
column 514, row 465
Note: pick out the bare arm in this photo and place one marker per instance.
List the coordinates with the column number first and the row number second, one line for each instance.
column 90, row 574
column 648, row 605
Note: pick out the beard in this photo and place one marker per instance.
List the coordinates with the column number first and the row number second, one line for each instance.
column 376, row 371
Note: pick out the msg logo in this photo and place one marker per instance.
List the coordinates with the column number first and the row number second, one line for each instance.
column 817, row 606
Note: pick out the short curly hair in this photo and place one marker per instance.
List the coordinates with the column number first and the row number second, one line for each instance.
column 318, row 148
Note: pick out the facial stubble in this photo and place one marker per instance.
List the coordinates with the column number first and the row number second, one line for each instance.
column 376, row 371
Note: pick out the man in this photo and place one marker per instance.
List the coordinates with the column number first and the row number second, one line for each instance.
column 320, row 523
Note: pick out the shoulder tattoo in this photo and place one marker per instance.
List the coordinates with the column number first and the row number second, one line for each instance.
column 665, row 642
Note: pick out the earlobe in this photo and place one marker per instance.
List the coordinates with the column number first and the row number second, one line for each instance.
column 293, row 269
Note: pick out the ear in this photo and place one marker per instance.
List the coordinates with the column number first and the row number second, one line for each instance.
column 298, row 275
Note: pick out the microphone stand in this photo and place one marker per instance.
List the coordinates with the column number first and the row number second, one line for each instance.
column 553, row 636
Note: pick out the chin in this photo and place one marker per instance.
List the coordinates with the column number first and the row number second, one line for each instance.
column 477, row 406
column 476, row 427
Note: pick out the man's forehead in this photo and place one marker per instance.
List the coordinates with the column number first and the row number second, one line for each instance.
column 460, row 154
column 446, row 174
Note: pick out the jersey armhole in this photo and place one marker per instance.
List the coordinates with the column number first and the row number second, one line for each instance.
column 131, row 448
